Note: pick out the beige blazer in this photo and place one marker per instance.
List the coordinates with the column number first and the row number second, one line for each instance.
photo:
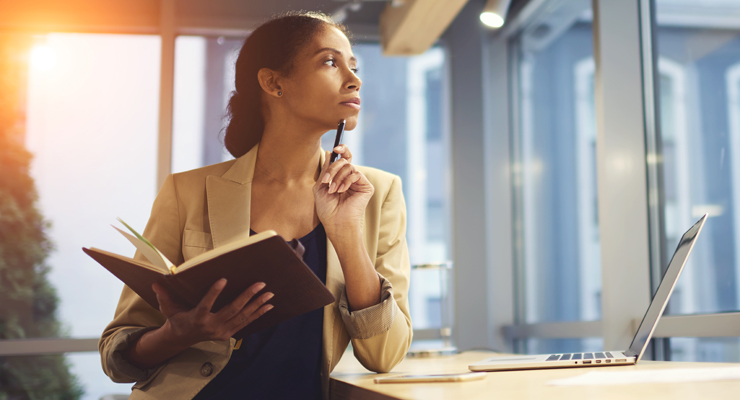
column 204, row 208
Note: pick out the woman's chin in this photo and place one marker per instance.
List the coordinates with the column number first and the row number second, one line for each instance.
column 351, row 123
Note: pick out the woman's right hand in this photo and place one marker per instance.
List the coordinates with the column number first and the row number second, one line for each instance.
column 191, row 326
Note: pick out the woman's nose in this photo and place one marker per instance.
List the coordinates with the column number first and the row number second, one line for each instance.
column 355, row 84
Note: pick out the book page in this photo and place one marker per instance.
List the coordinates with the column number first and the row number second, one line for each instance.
column 167, row 262
column 147, row 249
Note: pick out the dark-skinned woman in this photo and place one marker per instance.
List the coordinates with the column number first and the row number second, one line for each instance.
column 295, row 80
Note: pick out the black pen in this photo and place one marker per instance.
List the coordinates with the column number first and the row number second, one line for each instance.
column 337, row 140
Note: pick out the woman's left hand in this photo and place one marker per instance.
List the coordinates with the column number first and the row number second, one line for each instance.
column 341, row 193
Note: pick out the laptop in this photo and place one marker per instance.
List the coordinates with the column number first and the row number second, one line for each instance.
column 605, row 358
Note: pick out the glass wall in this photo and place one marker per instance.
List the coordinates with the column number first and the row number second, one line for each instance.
column 712, row 349
column 692, row 161
column 402, row 129
column 554, row 153
column 698, row 60
column 91, row 124
column 204, row 80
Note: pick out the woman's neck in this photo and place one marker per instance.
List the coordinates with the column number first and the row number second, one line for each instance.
column 288, row 158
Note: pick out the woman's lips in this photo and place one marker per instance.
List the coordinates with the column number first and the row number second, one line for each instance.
column 353, row 105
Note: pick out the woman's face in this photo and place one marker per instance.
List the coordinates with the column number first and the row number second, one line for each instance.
column 324, row 81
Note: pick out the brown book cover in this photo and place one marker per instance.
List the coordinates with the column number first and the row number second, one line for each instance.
column 270, row 260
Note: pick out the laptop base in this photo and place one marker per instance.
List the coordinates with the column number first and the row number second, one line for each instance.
column 540, row 361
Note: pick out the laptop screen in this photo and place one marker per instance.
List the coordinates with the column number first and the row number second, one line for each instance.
column 650, row 320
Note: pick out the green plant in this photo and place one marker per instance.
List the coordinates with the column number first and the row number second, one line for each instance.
column 28, row 303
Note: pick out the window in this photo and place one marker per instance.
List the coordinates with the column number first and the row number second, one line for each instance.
column 698, row 50
column 204, row 80
column 554, row 156
column 91, row 125
column 669, row 97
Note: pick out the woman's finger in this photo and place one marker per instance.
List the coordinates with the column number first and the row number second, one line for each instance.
column 340, row 176
column 247, row 314
column 348, row 181
column 344, row 151
column 251, row 318
column 332, row 170
column 238, row 304
column 163, row 298
column 206, row 303
column 325, row 176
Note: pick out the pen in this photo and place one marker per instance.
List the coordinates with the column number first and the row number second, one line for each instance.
column 337, row 140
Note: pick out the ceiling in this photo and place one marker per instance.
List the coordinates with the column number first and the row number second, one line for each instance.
column 369, row 12
column 191, row 16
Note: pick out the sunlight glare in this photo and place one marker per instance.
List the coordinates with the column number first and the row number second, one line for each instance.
column 43, row 57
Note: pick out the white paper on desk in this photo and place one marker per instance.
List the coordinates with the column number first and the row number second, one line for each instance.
column 675, row 375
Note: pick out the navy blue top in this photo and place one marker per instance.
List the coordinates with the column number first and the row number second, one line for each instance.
column 282, row 362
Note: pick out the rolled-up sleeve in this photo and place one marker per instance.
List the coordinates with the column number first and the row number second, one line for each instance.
column 371, row 321
column 119, row 366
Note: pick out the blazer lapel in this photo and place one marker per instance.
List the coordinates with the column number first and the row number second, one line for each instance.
column 228, row 198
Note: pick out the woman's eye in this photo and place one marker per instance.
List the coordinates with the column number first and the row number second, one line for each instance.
column 354, row 70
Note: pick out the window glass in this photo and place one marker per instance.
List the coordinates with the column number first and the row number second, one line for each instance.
column 204, row 80
column 402, row 129
column 92, row 129
column 89, row 119
column 699, row 102
column 557, row 247
column 717, row 349
column 93, row 380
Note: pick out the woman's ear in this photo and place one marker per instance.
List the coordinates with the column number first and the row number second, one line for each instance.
column 269, row 81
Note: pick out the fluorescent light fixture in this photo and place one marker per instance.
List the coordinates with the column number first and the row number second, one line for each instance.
column 494, row 13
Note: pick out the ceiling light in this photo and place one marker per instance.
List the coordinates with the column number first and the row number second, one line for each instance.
column 494, row 13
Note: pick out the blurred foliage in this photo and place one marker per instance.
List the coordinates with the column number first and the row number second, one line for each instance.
column 28, row 303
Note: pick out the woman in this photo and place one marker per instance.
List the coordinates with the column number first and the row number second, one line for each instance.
column 295, row 80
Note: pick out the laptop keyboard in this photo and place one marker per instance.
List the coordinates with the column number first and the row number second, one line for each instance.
column 580, row 356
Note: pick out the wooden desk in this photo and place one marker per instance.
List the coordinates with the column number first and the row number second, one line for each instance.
column 350, row 380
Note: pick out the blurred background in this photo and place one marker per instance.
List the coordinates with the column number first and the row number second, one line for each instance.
column 554, row 157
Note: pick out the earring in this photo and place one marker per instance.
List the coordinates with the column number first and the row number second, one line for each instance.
column 280, row 93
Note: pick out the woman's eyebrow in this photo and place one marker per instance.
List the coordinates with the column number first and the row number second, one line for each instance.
column 335, row 51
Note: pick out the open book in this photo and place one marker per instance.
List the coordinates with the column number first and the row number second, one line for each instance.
column 264, row 257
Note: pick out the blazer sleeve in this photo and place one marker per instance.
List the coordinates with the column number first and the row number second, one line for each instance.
column 134, row 316
column 381, row 334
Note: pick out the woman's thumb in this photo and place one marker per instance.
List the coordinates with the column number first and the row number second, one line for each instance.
column 162, row 298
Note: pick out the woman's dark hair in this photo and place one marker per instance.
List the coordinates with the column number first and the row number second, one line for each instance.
column 273, row 45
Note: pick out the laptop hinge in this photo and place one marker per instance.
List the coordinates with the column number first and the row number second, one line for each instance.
column 630, row 353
